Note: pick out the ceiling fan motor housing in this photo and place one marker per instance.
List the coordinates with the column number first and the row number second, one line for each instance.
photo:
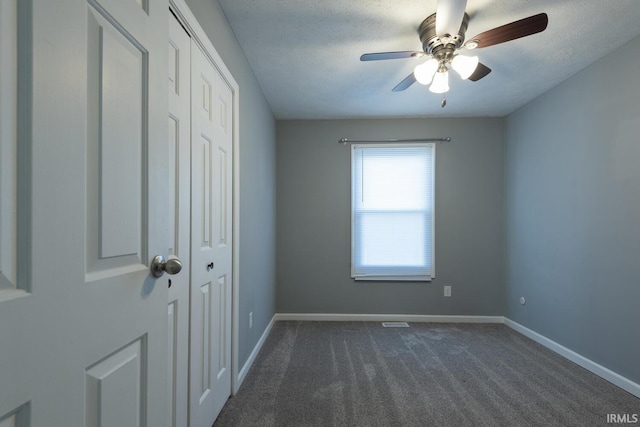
column 441, row 47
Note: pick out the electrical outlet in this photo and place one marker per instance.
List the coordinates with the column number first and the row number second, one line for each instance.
column 447, row 291
column 251, row 320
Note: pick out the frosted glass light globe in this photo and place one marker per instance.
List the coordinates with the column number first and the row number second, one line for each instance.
column 424, row 72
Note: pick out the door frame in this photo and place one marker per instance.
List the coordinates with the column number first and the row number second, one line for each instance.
column 197, row 33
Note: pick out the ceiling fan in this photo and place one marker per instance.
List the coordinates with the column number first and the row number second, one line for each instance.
column 443, row 37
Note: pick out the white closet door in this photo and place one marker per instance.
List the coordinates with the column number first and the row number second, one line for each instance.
column 211, row 240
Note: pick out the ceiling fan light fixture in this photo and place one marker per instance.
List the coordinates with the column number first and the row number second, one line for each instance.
column 443, row 33
column 424, row 72
column 440, row 82
column 464, row 65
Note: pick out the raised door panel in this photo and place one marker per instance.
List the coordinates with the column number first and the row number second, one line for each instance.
column 225, row 110
column 203, row 355
column 173, row 132
column 220, row 323
column 223, row 229
column 173, row 367
column 117, row 118
column 206, row 178
column 115, row 388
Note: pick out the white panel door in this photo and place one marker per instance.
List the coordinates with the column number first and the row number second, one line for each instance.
column 211, row 241
column 83, row 325
column 179, row 133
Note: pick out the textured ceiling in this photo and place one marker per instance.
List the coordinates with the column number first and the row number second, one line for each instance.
column 305, row 53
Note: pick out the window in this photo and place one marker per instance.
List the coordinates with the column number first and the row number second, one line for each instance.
column 392, row 218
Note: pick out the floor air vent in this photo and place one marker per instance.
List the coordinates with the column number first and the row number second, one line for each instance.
column 395, row 324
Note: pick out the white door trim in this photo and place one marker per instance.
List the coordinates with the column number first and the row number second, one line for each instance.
column 197, row 33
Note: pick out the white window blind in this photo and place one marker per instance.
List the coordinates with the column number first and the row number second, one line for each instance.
column 392, row 199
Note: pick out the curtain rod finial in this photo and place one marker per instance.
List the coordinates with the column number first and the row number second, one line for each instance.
column 342, row 141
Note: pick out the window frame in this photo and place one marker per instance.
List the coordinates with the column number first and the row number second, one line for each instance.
column 382, row 277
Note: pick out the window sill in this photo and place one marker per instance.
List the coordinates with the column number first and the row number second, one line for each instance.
column 393, row 278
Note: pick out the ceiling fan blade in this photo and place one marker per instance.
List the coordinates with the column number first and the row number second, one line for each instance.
column 449, row 15
column 521, row 28
column 391, row 55
column 404, row 84
column 480, row 72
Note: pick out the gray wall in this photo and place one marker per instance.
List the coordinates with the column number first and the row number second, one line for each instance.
column 257, row 181
column 313, row 219
column 572, row 188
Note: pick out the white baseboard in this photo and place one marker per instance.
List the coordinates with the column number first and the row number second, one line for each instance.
column 252, row 357
column 590, row 365
column 328, row 317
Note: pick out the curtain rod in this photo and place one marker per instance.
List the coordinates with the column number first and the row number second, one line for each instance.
column 344, row 141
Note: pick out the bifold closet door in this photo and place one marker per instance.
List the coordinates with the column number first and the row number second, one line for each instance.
column 211, row 240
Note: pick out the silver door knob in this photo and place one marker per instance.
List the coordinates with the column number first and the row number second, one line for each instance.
column 160, row 265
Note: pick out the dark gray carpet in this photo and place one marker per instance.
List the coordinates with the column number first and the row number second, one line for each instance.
column 361, row 374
